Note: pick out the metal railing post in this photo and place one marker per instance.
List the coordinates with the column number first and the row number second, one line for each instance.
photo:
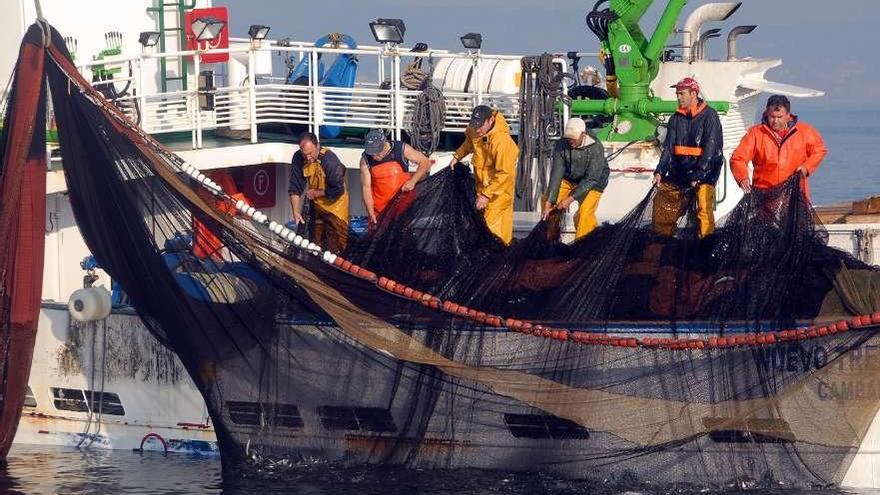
column 252, row 95
column 397, row 109
column 193, row 95
column 142, row 95
column 317, row 106
column 479, row 80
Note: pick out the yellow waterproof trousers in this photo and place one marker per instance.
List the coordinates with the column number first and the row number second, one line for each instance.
column 499, row 217
column 669, row 205
column 585, row 218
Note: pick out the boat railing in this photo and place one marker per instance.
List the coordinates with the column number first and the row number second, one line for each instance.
column 248, row 91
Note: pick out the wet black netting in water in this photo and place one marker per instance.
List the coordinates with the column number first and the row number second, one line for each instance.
column 428, row 343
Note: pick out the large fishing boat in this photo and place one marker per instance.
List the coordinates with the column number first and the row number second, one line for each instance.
column 348, row 366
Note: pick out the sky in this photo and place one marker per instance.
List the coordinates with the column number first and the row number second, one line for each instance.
column 830, row 45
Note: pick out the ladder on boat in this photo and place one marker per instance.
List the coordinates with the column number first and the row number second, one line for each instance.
column 170, row 17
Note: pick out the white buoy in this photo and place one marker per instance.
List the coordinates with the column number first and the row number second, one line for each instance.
column 279, row 229
column 291, row 235
column 298, row 240
column 311, row 246
column 332, row 259
column 90, row 304
column 239, row 204
column 326, row 256
column 272, row 225
column 250, row 211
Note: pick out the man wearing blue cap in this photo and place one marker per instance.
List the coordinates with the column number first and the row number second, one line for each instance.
column 385, row 171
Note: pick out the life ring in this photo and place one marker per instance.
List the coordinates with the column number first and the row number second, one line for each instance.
column 156, row 436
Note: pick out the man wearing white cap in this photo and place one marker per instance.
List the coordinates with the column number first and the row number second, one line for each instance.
column 579, row 173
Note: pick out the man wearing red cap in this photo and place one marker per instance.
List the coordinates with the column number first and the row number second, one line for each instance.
column 691, row 160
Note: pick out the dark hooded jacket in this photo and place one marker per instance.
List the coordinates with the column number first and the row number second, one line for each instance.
column 693, row 147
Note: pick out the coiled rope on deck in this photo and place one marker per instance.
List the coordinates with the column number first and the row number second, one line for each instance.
column 428, row 119
column 540, row 90
column 429, row 108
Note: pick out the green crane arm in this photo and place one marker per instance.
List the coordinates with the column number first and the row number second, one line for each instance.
column 634, row 64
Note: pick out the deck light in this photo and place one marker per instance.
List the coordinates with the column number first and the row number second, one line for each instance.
column 207, row 28
column 472, row 41
column 148, row 38
column 388, row 30
column 258, row 32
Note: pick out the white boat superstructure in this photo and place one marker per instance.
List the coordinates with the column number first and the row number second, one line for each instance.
column 118, row 387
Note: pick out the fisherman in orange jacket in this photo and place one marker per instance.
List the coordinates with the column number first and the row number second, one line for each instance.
column 385, row 171
column 778, row 148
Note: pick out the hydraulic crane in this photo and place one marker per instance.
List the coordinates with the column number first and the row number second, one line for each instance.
column 632, row 61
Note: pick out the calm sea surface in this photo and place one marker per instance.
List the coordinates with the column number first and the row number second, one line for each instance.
column 852, row 168
column 33, row 469
column 851, row 171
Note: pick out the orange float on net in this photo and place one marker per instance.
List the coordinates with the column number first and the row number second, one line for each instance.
column 842, row 326
column 339, row 261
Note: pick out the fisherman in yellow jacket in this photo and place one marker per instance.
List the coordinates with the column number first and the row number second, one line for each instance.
column 317, row 174
column 495, row 156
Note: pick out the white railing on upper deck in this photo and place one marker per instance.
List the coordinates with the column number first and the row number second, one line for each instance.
column 266, row 100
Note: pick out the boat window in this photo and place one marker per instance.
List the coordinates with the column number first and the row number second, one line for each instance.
column 250, row 413
column 286, row 415
column 375, row 419
column 544, row 426
column 751, row 430
column 29, row 399
column 69, row 399
column 244, row 413
column 105, row 403
column 356, row 418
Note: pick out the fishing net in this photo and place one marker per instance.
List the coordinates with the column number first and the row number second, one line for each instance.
column 22, row 223
column 747, row 354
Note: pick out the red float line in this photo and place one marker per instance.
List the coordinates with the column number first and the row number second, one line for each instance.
column 632, row 170
column 561, row 334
